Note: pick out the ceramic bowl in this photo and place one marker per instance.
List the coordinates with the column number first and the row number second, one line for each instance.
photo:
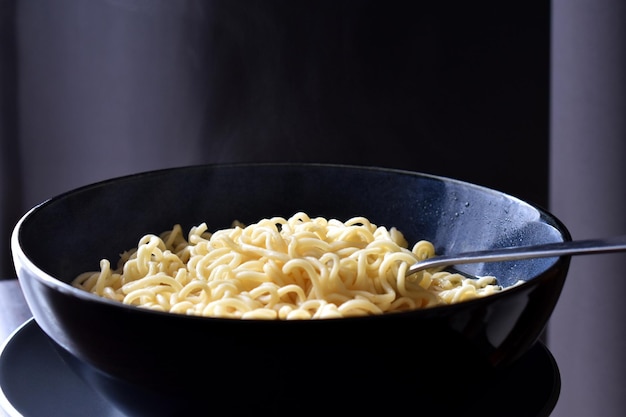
column 155, row 363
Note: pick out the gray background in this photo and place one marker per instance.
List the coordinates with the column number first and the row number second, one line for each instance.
column 527, row 98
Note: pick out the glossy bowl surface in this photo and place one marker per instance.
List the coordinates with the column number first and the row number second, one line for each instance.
column 155, row 363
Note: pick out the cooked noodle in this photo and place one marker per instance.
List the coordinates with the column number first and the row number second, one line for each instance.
column 296, row 268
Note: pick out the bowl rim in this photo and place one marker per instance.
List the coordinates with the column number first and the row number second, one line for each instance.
column 19, row 256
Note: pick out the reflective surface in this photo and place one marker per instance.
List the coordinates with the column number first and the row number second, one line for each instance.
column 36, row 382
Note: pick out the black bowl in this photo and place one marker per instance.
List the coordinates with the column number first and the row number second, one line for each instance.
column 152, row 363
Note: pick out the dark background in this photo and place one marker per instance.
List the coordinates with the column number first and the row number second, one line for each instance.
column 97, row 89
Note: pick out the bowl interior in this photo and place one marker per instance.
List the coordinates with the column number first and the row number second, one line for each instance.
column 70, row 233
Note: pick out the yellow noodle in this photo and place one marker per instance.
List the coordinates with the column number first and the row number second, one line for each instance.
column 280, row 268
